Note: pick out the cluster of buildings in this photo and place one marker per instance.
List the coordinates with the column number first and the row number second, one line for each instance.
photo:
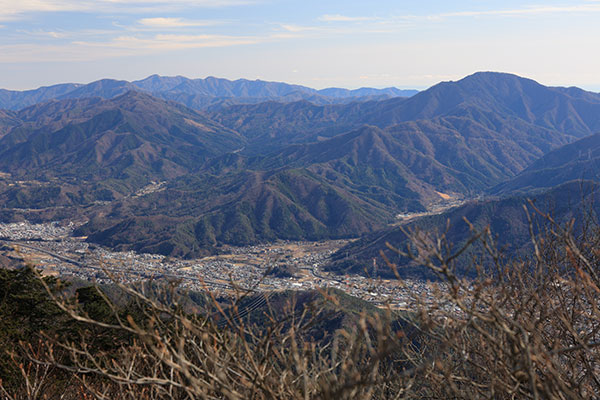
column 51, row 248
column 27, row 231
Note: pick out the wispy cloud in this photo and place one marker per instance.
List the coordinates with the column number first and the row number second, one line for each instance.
column 300, row 28
column 170, row 42
column 169, row 23
column 589, row 6
column 343, row 18
column 119, row 46
column 198, row 3
column 10, row 9
column 14, row 9
column 530, row 10
column 46, row 34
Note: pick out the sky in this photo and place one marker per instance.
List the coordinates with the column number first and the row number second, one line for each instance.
column 317, row 43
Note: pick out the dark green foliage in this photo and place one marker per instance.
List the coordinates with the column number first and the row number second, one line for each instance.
column 25, row 303
column 284, row 271
column 25, row 310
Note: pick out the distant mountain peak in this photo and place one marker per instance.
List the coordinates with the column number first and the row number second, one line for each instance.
column 492, row 77
column 198, row 93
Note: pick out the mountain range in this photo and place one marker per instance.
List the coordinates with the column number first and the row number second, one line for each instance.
column 505, row 217
column 133, row 137
column 150, row 173
column 205, row 93
column 564, row 183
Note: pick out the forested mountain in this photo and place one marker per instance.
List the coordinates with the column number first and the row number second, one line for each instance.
column 15, row 100
column 251, row 173
column 195, row 214
column 568, row 109
column 131, row 137
column 505, row 217
column 198, row 94
column 8, row 120
column 576, row 161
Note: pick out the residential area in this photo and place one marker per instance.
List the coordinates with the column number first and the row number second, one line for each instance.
column 55, row 251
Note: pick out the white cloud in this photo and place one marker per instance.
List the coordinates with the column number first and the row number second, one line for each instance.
column 590, row 7
column 299, row 28
column 46, row 34
column 10, row 9
column 170, row 42
column 14, row 9
column 343, row 18
column 167, row 23
column 56, row 35
column 198, row 3
column 532, row 10
column 121, row 46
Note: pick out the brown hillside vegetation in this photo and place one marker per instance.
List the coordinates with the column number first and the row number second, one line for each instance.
column 526, row 328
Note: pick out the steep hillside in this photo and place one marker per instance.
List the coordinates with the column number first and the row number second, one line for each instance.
column 505, row 217
column 511, row 121
column 478, row 149
column 15, row 100
column 570, row 111
column 133, row 136
column 8, row 120
column 104, row 88
column 372, row 160
column 576, row 161
column 196, row 213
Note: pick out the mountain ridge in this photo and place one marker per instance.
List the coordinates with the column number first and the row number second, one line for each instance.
column 254, row 173
column 133, row 132
column 576, row 161
column 195, row 93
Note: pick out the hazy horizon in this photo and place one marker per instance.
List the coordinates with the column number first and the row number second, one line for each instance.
column 291, row 83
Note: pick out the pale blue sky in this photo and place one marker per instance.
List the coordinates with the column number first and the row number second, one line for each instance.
column 408, row 44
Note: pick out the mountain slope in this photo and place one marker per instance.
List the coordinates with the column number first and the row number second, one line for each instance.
column 15, row 100
column 8, row 120
column 505, row 217
column 365, row 92
column 568, row 111
column 488, row 126
column 576, row 161
column 375, row 161
column 255, row 173
column 482, row 149
column 196, row 93
column 198, row 212
column 340, row 187
column 134, row 136
column 104, row 88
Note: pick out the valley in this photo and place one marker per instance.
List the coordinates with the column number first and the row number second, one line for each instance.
column 292, row 200
column 311, row 189
column 53, row 249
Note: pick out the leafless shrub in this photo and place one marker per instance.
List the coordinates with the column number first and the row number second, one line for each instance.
column 525, row 327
